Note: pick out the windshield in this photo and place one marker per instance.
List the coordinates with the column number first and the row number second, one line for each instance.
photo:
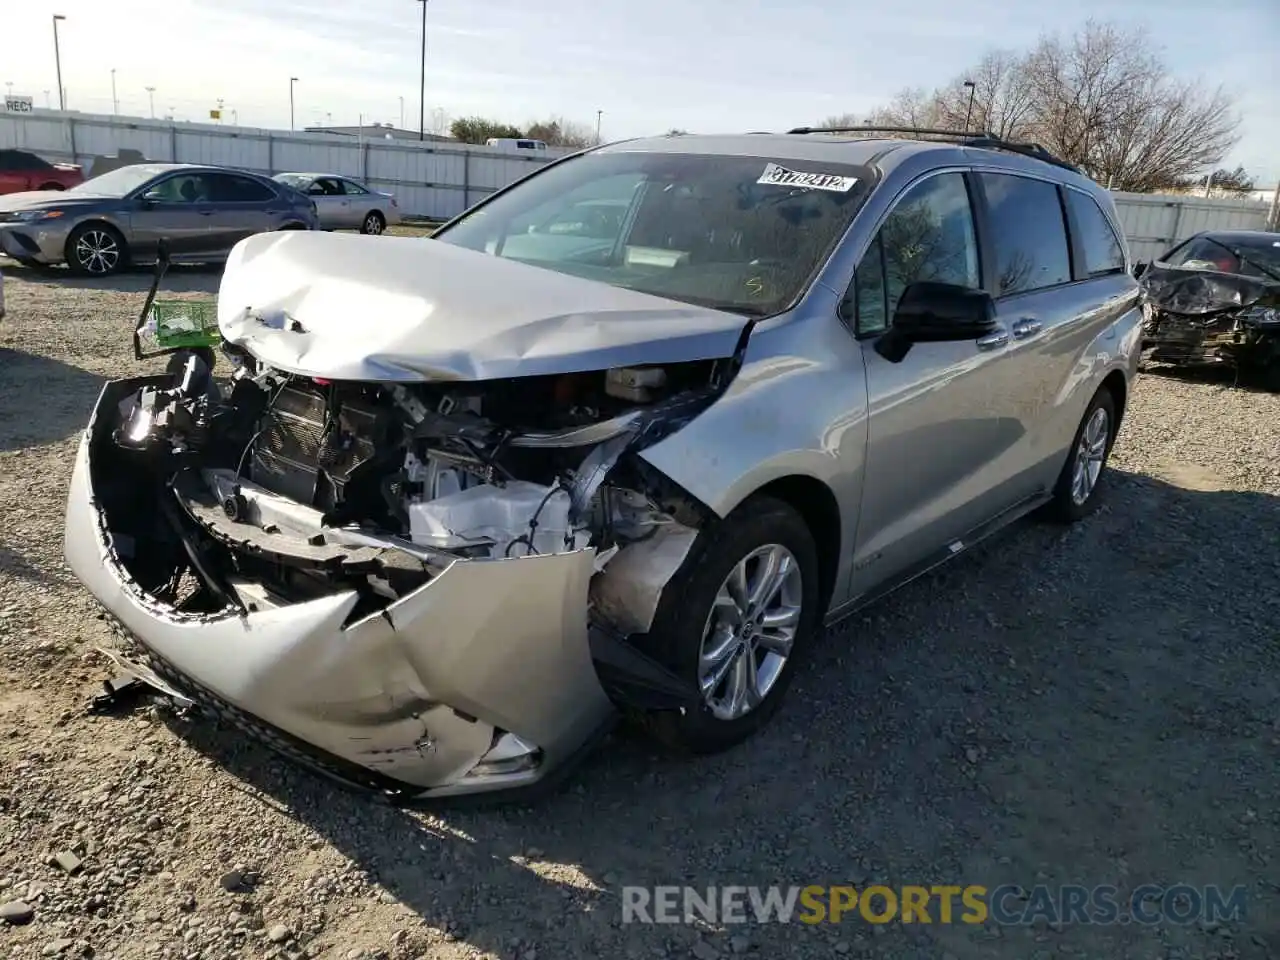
column 744, row 234
column 295, row 180
column 1257, row 257
column 118, row 182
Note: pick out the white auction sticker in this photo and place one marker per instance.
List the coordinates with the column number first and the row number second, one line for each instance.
column 777, row 176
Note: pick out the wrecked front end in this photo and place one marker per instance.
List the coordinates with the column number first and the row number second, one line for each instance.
column 422, row 589
column 1195, row 317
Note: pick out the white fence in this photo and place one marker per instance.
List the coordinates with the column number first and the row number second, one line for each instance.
column 430, row 179
column 1152, row 222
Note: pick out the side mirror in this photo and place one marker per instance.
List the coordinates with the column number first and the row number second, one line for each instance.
column 934, row 313
column 1139, row 268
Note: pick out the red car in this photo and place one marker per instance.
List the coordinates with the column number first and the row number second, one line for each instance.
column 21, row 170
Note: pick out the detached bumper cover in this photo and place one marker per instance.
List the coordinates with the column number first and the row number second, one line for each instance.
column 407, row 701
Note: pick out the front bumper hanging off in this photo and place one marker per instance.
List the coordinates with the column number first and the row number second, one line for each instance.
column 486, row 678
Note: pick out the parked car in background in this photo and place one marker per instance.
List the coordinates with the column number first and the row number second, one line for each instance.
column 471, row 498
column 1214, row 299
column 345, row 204
column 21, row 170
column 105, row 223
column 516, row 143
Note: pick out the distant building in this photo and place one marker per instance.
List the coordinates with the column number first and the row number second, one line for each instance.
column 383, row 131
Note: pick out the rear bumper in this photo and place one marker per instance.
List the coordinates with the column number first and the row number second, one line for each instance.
column 412, row 701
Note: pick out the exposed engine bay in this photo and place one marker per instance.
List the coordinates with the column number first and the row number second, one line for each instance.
column 1194, row 315
column 289, row 488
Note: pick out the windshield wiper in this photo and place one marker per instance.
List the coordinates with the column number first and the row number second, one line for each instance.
column 1240, row 255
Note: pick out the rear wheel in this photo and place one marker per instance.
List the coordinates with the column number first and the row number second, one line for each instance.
column 96, row 250
column 1076, row 494
column 374, row 223
column 734, row 620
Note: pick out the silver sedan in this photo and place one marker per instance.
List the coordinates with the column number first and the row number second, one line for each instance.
column 345, row 204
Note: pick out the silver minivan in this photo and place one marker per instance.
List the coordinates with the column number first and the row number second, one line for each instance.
column 619, row 440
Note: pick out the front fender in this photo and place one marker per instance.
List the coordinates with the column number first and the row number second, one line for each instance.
column 798, row 407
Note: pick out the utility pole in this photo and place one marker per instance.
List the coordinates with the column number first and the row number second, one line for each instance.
column 292, row 81
column 151, row 97
column 969, row 113
column 599, row 114
column 115, row 101
column 422, row 78
column 57, row 59
column 402, row 113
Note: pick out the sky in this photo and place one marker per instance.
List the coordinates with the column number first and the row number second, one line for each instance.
column 706, row 66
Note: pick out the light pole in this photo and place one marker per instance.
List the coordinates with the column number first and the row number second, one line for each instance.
column 402, row 113
column 969, row 112
column 599, row 114
column 292, row 81
column 115, row 101
column 57, row 59
column 151, row 96
column 422, row 78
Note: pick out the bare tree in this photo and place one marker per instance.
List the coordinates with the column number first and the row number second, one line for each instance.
column 1105, row 102
column 1101, row 99
column 559, row 132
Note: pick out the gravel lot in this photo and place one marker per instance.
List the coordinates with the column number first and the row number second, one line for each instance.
column 1095, row 706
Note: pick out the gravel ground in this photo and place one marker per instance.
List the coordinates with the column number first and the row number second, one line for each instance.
column 1095, row 706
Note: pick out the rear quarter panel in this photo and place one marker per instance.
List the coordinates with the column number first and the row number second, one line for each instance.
column 1108, row 341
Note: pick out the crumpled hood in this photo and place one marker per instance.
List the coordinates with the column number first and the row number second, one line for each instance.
column 346, row 307
column 1198, row 292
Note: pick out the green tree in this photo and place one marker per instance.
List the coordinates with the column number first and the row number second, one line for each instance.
column 480, row 129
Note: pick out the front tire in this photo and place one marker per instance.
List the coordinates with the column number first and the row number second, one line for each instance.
column 1077, row 493
column 96, row 250
column 374, row 223
column 734, row 619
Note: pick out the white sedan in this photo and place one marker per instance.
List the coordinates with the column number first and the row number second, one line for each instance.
column 344, row 204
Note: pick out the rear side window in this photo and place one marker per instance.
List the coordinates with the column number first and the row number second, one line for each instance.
column 228, row 188
column 1028, row 232
column 1103, row 253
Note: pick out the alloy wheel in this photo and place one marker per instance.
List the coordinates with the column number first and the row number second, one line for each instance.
column 372, row 224
column 97, row 252
column 750, row 632
column 1090, row 454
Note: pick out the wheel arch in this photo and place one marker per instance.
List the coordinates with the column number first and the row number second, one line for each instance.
column 820, row 510
column 101, row 223
column 1118, row 386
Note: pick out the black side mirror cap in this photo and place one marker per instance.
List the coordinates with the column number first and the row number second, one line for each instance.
column 930, row 312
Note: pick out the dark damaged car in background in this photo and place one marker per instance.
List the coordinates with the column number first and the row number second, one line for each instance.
column 618, row 441
column 1215, row 300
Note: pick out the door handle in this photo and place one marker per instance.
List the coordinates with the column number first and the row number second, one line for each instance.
column 994, row 340
column 1026, row 327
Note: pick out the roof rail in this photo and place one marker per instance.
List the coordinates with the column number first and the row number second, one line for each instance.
column 931, row 131
column 980, row 139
